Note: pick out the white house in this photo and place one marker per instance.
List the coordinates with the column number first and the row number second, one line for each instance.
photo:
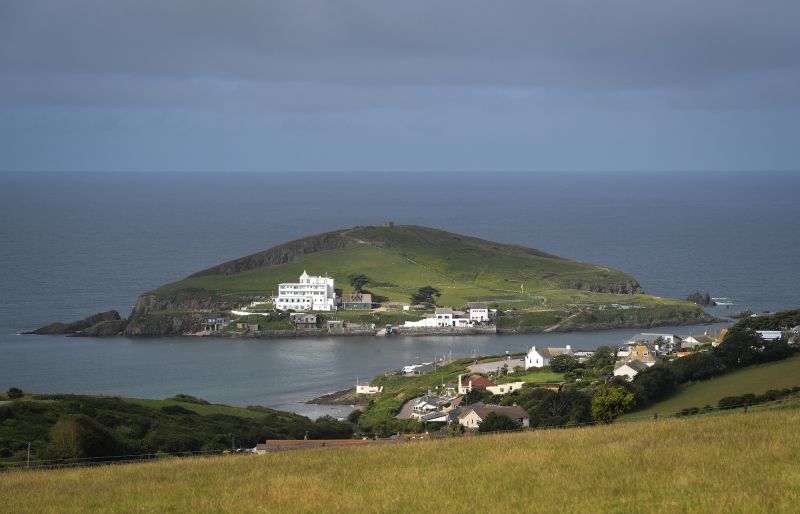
column 770, row 335
column 478, row 312
column 308, row 294
column 540, row 357
column 628, row 369
column 443, row 317
column 368, row 389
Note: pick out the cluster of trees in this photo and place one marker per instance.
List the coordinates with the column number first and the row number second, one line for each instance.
column 548, row 408
column 73, row 427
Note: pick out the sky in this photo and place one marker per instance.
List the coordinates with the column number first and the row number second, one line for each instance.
column 370, row 85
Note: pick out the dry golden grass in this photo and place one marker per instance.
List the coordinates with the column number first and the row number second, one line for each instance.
column 734, row 463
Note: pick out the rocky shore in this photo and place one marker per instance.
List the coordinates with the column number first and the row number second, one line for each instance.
column 345, row 397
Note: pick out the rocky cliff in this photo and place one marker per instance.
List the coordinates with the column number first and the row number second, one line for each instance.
column 76, row 326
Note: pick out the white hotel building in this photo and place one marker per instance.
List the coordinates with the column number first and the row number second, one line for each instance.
column 309, row 294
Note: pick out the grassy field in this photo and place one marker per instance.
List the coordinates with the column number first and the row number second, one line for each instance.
column 755, row 379
column 729, row 463
column 404, row 258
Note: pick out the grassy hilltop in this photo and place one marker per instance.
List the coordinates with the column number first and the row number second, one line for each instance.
column 538, row 290
column 734, row 462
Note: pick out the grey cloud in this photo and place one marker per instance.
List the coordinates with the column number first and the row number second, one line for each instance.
column 584, row 44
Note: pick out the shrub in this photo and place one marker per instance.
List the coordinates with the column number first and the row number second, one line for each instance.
column 495, row 422
column 610, row 402
column 14, row 393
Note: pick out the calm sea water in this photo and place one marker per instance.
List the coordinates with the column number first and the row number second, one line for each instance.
column 72, row 245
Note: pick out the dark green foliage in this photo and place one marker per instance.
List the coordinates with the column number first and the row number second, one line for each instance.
column 655, row 383
column 328, row 427
column 609, row 402
column 563, row 363
column 187, row 398
column 777, row 321
column 68, row 426
column 77, row 436
column 698, row 366
column 730, row 402
column 495, row 422
column 425, row 295
column 358, row 281
column 353, row 416
column 744, row 347
column 478, row 395
column 14, row 393
column 691, row 411
column 550, row 409
column 604, row 357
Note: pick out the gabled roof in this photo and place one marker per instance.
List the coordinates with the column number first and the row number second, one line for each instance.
column 477, row 305
column 482, row 410
column 478, row 382
column 444, row 310
column 635, row 365
column 544, row 352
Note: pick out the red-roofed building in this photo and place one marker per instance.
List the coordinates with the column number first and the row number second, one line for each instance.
column 466, row 385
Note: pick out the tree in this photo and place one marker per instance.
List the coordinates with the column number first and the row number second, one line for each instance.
column 744, row 347
column 76, row 436
column 358, row 281
column 563, row 363
column 477, row 395
column 495, row 422
column 655, row 382
column 425, row 295
column 609, row 402
column 14, row 393
column 603, row 357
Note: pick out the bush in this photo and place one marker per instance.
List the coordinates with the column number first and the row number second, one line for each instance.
column 14, row 393
column 563, row 363
column 610, row 402
column 495, row 422
column 187, row 398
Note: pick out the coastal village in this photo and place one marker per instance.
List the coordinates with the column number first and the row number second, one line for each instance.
column 311, row 304
column 449, row 403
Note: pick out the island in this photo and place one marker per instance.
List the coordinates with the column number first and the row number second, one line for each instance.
column 395, row 279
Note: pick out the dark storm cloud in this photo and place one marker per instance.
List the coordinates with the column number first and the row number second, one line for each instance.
column 585, row 45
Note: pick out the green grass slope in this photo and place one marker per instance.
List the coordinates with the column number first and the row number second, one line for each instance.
column 111, row 426
column 756, row 379
column 729, row 463
column 401, row 259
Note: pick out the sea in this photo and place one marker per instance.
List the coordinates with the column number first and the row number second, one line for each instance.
column 72, row 244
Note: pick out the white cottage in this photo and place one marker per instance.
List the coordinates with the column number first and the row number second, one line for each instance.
column 540, row 357
column 628, row 369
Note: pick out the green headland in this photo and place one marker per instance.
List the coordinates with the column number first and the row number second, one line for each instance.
column 533, row 291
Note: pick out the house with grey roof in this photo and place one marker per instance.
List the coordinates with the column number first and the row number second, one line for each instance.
column 629, row 369
column 471, row 417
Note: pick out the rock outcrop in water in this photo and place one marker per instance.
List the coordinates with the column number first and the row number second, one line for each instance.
column 702, row 299
column 100, row 324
